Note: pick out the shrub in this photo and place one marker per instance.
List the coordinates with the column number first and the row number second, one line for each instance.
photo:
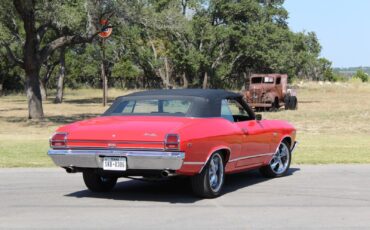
column 360, row 74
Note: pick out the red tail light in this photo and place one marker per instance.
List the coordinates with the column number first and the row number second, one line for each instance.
column 58, row 140
column 172, row 142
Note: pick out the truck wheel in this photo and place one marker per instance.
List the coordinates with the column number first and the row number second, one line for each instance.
column 287, row 102
column 293, row 103
column 275, row 105
column 96, row 183
column 209, row 183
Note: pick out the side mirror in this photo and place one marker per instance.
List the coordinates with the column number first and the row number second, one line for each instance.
column 258, row 117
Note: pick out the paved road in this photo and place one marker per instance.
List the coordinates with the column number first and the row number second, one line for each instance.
column 312, row 197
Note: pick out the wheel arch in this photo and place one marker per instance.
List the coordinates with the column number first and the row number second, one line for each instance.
column 225, row 153
column 287, row 139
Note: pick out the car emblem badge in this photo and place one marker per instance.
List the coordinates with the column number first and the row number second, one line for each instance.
column 150, row 134
column 111, row 145
column 114, row 135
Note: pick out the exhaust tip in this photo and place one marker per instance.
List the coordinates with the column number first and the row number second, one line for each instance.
column 165, row 173
column 70, row 170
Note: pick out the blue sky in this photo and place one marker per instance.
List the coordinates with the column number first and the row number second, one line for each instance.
column 342, row 26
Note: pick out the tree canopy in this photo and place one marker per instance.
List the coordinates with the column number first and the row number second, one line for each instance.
column 155, row 44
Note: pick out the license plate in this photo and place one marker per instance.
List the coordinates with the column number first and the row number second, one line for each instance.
column 115, row 163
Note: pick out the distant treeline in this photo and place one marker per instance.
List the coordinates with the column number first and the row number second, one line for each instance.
column 350, row 71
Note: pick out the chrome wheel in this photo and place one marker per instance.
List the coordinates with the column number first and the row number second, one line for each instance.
column 209, row 183
column 216, row 172
column 281, row 159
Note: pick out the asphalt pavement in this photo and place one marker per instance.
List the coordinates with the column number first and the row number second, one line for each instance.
column 310, row 197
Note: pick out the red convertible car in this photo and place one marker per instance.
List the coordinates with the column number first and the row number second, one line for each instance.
column 203, row 134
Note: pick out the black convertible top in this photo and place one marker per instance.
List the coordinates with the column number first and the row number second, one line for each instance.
column 205, row 93
column 206, row 102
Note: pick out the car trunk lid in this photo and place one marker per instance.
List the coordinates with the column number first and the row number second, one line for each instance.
column 131, row 132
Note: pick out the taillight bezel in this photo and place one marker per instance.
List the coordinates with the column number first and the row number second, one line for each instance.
column 177, row 143
column 64, row 141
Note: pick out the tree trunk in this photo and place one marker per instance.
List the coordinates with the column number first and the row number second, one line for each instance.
column 43, row 90
column 105, row 84
column 1, row 89
column 60, row 83
column 1, row 84
column 185, row 81
column 103, row 73
column 35, row 110
column 184, row 4
column 167, row 74
column 31, row 63
column 44, row 81
column 205, row 80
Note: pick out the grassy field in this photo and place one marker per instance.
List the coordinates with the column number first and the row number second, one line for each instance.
column 333, row 122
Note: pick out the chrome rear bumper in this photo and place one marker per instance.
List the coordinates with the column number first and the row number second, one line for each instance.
column 135, row 159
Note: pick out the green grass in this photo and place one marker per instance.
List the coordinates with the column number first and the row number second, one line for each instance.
column 24, row 153
column 333, row 123
column 332, row 148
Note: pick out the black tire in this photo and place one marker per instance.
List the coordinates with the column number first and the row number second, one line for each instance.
column 287, row 102
column 294, row 103
column 275, row 105
column 201, row 182
column 270, row 171
column 96, row 183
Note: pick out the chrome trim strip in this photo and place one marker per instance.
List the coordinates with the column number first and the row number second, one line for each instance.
column 253, row 156
column 107, row 148
column 116, row 142
column 194, row 163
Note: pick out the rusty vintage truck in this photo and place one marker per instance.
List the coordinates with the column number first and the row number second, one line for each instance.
column 270, row 92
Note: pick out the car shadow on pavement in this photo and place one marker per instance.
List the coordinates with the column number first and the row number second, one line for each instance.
column 176, row 190
column 238, row 181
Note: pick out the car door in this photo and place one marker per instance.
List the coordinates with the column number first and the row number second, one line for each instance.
column 256, row 138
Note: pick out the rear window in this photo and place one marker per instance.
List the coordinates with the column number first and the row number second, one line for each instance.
column 175, row 107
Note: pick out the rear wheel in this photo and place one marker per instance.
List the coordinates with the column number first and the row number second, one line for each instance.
column 291, row 103
column 279, row 164
column 96, row 183
column 209, row 183
column 294, row 103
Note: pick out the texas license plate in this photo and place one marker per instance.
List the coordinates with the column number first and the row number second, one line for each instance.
column 115, row 163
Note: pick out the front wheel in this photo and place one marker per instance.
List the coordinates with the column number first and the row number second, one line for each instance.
column 209, row 183
column 96, row 183
column 279, row 164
